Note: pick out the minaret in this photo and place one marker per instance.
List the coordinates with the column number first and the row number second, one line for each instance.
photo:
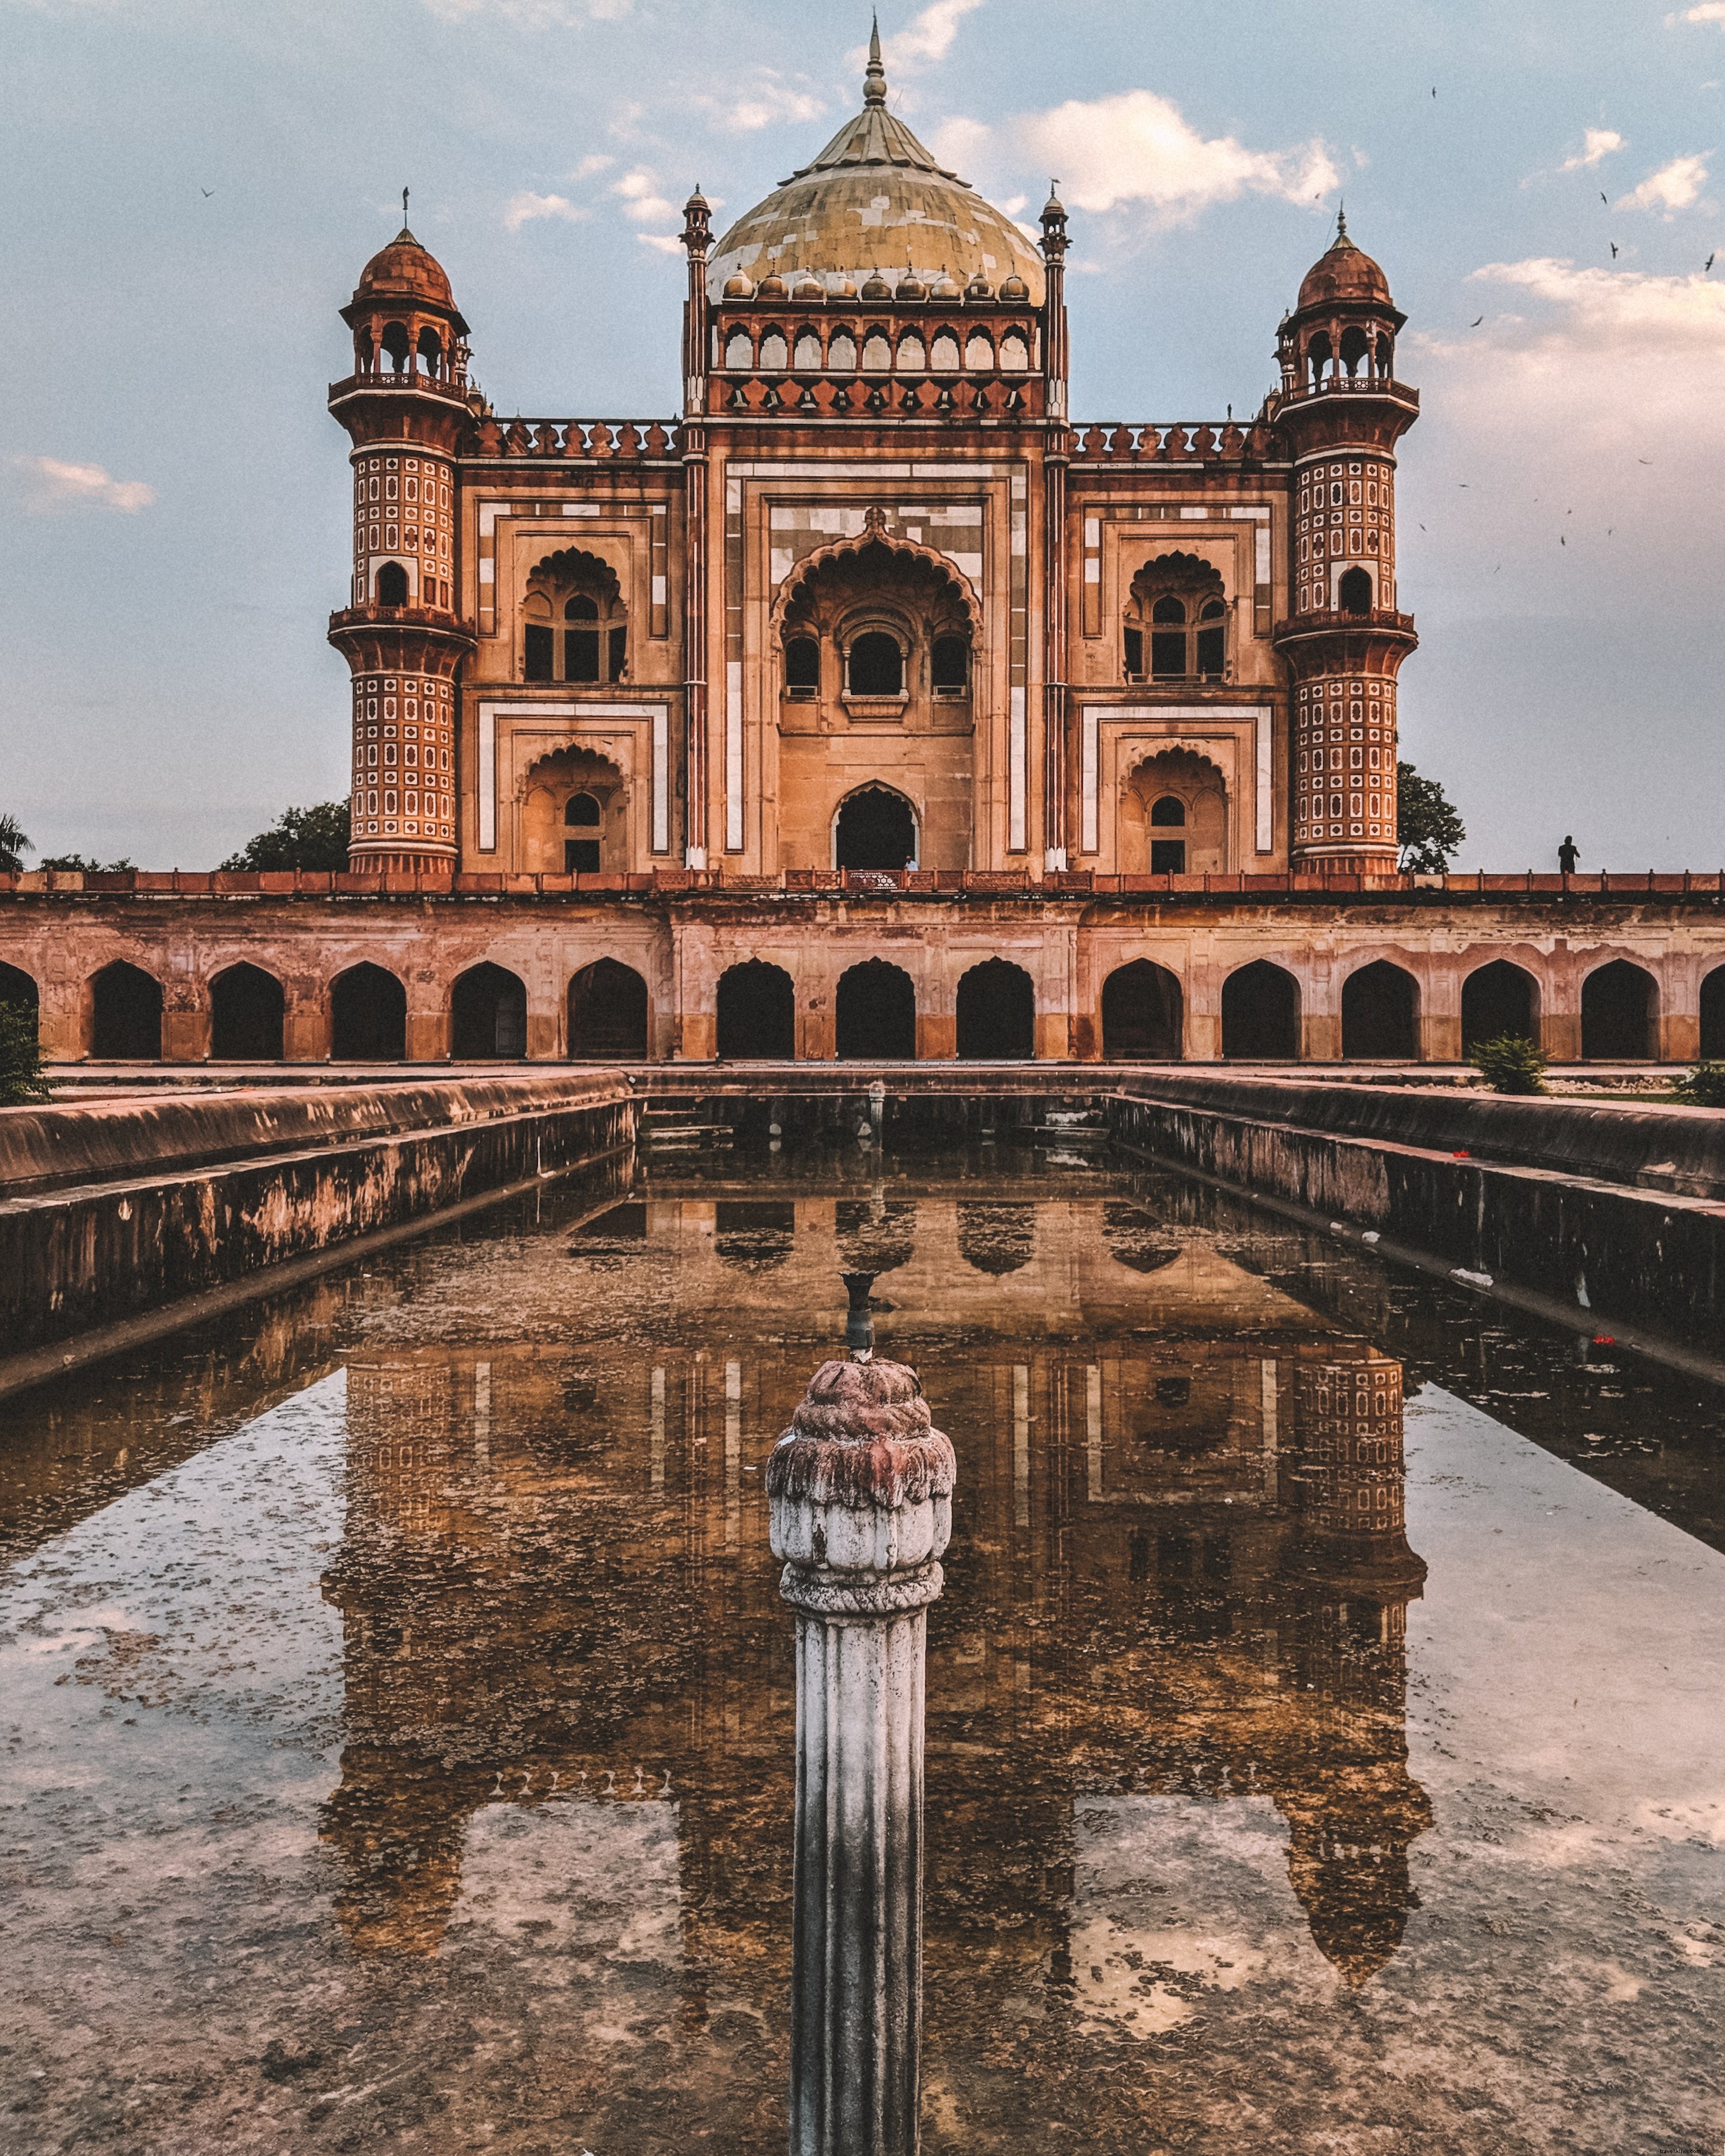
column 404, row 405
column 697, row 237
column 1342, row 411
column 1054, row 584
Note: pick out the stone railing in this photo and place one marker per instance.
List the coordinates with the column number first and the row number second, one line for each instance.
column 852, row 884
column 625, row 440
column 1373, row 618
column 456, row 387
column 1187, row 441
column 1351, row 385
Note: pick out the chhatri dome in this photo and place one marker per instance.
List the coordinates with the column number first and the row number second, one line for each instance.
column 1343, row 274
column 875, row 200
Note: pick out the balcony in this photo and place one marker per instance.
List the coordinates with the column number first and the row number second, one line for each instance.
column 1349, row 385
column 454, row 388
column 1380, row 621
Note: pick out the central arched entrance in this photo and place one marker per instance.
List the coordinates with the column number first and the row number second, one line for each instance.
column 608, row 1013
column 876, row 828
column 876, row 1013
column 488, row 1014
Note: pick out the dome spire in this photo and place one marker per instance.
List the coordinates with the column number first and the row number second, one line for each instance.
column 875, row 76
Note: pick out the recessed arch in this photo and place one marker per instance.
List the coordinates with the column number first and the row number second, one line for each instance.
column 488, row 1014
column 996, row 1013
column 794, row 592
column 368, row 1016
column 875, row 1014
column 1143, row 1015
column 248, row 1012
column 874, row 828
column 1497, row 999
column 125, row 1013
column 608, row 1013
column 1620, row 1013
column 757, row 1012
column 18, row 988
column 1380, row 1013
column 1712, row 1014
column 1260, row 1013
column 391, row 585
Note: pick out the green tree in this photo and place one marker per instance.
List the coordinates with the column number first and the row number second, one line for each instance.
column 315, row 837
column 82, row 861
column 1427, row 828
column 20, row 1057
column 14, row 844
column 1511, row 1063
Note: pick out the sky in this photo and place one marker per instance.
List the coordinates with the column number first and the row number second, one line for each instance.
column 191, row 187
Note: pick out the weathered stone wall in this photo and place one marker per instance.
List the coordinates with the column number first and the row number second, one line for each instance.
column 681, row 945
column 1410, row 1167
column 140, row 1231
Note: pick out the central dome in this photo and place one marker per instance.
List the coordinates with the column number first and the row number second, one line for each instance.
column 875, row 199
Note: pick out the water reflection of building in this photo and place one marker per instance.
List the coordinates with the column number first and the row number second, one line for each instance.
column 1179, row 1566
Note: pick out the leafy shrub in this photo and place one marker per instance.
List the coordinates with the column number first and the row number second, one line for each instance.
column 1511, row 1063
column 1702, row 1087
column 20, row 1057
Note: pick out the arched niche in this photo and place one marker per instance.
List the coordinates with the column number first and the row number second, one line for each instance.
column 488, row 1014
column 247, row 1016
column 1380, row 1013
column 561, row 833
column 1712, row 1014
column 1143, row 1015
column 874, row 828
column 1174, row 816
column 608, row 1013
column 996, row 1013
column 1260, row 1013
column 368, row 1016
column 125, row 1013
column 1497, row 999
column 757, row 1012
column 1620, row 1013
column 876, row 1009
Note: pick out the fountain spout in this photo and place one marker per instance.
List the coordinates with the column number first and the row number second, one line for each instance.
column 861, row 1491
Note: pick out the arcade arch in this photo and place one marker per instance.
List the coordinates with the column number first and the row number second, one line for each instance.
column 488, row 1014
column 1141, row 1014
column 125, row 1013
column 1380, row 1013
column 996, row 1013
column 247, row 1016
column 875, row 1014
column 1260, row 1013
column 757, row 1012
column 368, row 1016
column 608, row 1013
column 1620, row 1013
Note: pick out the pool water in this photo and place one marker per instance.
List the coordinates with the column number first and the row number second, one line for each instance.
column 1324, row 1747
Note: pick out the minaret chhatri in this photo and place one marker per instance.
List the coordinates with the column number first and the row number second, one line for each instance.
column 1342, row 411
column 403, row 406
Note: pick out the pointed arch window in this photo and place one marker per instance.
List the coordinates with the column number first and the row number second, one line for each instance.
column 739, row 352
column 1176, row 627
column 577, row 625
column 775, row 354
column 943, row 357
column 1014, row 353
column 808, row 356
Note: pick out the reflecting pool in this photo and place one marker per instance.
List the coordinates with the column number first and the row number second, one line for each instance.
column 1324, row 1750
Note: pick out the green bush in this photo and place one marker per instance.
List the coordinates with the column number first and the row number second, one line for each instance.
column 1511, row 1063
column 1702, row 1087
column 20, row 1057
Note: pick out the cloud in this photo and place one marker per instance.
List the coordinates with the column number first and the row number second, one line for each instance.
column 1137, row 147
column 929, row 38
column 1609, row 313
column 642, row 202
column 525, row 207
column 1713, row 11
column 54, row 485
column 532, row 14
column 590, row 165
column 1600, row 143
column 1673, row 186
column 767, row 100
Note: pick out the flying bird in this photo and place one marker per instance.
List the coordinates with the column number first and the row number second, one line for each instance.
column 205, row 192
column 1605, row 198
column 1614, row 250
column 1644, row 461
column 1708, row 264
column 1475, row 322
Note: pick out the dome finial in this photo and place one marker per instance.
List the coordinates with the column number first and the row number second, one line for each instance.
column 874, row 76
column 1341, row 220
column 404, row 234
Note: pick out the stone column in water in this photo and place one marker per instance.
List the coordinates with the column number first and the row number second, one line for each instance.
column 861, row 1487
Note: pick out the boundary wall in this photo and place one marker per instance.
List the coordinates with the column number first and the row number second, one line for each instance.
column 682, row 940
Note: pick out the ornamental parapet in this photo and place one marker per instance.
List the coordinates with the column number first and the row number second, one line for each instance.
column 1378, row 622
column 823, row 886
column 1184, row 441
column 623, row 441
column 1354, row 386
column 454, row 388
